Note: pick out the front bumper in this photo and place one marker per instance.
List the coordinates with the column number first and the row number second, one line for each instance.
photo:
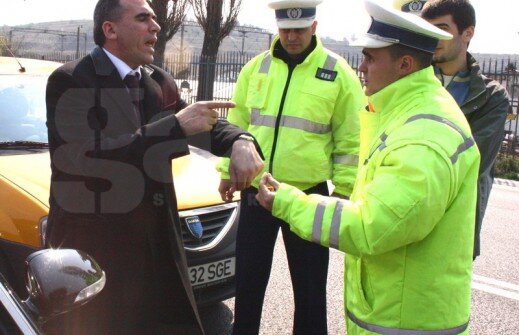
column 218, row 243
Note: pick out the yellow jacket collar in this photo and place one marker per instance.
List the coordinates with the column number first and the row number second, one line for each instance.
column 390, row 97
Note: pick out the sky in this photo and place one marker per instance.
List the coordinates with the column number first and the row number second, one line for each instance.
column 497, row 28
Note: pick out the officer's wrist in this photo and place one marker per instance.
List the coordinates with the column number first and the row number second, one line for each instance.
column 248, row 140
column 245, row 137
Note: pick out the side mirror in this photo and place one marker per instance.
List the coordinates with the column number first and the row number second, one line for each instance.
column 59, row 280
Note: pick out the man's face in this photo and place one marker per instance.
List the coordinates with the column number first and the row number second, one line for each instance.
column 449, row 50
column 379, row 69
column 136, row 33
column 295, row 41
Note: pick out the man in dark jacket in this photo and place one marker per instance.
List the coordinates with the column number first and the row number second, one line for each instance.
column 483, row 100
column 115, row 122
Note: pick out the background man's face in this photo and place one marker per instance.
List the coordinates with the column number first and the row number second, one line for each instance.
column 448, row 50
column 379, row 69
column 295, row 41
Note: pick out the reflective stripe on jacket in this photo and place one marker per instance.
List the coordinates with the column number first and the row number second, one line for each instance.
column 308, row 117
column 408, row 230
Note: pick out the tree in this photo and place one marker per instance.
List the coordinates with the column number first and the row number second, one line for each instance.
column 3, row 42
column 8, row 47
column 170, row 16
column 208, row 13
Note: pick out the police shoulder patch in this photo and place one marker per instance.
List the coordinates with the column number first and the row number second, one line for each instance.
column 327, row 75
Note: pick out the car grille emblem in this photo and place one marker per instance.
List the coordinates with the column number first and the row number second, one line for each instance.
column 194, row 226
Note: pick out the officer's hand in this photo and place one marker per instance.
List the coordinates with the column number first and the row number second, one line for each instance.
column 226, row 190
column 245, row 164
column 267, row 191
column 200, row 116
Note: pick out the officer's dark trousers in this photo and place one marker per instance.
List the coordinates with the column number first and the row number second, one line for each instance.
column 308, row 264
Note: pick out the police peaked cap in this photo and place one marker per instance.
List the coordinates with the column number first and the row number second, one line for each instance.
column 294, row 13
column 390, row 26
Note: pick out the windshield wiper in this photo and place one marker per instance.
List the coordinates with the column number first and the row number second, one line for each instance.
column 23, row 145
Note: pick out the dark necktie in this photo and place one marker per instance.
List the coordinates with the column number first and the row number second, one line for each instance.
column 132, row 82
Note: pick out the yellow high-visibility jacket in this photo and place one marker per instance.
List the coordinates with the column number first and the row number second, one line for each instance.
column 305, row 120
column 408, row 229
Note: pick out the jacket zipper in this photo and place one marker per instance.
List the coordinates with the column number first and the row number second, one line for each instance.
column 278, row 119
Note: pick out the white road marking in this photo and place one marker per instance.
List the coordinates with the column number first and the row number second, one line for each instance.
column 497, row 287
column 496, row 282
column 506, row 182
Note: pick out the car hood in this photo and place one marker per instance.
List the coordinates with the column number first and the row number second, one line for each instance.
column 30, row 172
column 195, row 177
column 196, row 180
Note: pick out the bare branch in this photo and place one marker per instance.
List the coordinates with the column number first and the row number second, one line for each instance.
column 209, row 15
column 170, row 16
column 199, row 9
column 231, row 19
column 177, row 16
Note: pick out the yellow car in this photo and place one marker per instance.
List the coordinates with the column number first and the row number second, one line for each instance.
column 25, row 183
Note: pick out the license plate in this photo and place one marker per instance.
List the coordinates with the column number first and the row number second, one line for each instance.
column 211, row 272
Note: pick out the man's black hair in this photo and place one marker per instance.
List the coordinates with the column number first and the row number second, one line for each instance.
column 462, row 11
column 422, row 58
column 106, row 10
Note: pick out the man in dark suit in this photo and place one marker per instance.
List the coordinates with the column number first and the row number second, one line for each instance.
column 112, row 138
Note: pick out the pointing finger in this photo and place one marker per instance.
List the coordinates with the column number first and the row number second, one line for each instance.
column 218, row 104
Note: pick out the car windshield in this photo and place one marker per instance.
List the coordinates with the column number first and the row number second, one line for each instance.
column 22, row 111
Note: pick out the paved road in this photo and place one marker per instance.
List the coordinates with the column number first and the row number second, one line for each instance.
column 495, row 286
column 495, row 293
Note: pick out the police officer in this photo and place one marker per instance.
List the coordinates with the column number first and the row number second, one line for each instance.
column 408, row 229
column 301, row 102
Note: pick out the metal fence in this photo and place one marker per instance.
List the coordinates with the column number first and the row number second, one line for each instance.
column 506, row 72
column 185, row 69
column 55, row 56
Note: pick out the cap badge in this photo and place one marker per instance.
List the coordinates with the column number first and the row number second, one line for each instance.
column 413, row 6
column 294, row 13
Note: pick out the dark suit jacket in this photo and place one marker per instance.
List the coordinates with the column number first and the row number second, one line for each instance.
column 112, row 192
